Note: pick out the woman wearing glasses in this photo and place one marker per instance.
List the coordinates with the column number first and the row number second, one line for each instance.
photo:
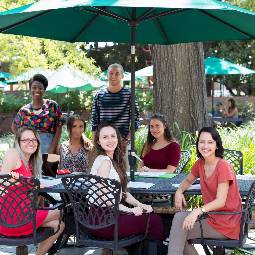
column 25, row 159
column 44, row 115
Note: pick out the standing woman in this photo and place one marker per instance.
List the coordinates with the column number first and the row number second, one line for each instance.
column 219, row 193
column 110, row 164
column 44, row 115
column 75, row 154
column 25, row 159
column 160, row 152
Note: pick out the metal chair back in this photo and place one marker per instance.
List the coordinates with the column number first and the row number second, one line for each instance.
column 18, row 198
column 95, row 202
column 185, row 157
column 236, row 160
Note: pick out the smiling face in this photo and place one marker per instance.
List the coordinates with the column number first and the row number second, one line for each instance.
column 206, row 145
column 77, row 129
column 108, row 140
column 37, row 90
column 28, row 142
column 157, row 128
column 115, row 76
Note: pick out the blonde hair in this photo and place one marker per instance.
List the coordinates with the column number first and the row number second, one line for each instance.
column 35, row 159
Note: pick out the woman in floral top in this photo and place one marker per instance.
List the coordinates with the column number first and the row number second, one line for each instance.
column 76, row 153
column 44, row 115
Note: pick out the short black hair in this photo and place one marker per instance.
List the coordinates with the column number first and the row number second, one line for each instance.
column 40, row 78
column 216, row 137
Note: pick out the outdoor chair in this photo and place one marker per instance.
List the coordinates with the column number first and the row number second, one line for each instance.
column 236, row 160
column 218, row 246
column 185, row 158
column 95, row 203
column 18, row 205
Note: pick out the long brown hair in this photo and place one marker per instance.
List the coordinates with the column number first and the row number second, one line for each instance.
column 35, row 159
column 118, row 160
column 151, row 139
column 85, row 142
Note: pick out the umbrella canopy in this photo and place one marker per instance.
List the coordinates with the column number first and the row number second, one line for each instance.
column 26, row 76
column 3, row 84
column 67, row 79
column 133, row 21
column 213, row 66
column 4, row 75
column 217, row 66
column 161, row 22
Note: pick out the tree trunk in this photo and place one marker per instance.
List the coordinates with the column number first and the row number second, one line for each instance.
column 179, row 87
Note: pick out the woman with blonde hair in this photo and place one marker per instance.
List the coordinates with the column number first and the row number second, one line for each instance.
column 25, row 159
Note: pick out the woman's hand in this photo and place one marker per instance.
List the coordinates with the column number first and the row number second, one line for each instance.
column 179, row 200
column 191, row 219
column 145, row 208
column 137, row 211
column 145, row 169
column 15, row 175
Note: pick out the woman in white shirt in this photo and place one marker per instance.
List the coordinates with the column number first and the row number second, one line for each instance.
column 110, row 163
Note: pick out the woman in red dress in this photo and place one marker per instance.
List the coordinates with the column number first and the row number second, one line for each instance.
column 25, row 159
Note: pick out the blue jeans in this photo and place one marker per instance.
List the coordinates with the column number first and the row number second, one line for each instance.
column 46, row 141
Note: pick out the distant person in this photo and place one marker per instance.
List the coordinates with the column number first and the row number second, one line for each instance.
column 44, row 115
column 25, row 160
column 219, row 110
column 220, row 192
column 160, row 152
column 231, row 110
column 75, row 153
column 113, row 105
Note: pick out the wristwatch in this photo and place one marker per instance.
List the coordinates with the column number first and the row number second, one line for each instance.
column 203, row 210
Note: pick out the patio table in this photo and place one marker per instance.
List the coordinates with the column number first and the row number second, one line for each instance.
column 165, row 186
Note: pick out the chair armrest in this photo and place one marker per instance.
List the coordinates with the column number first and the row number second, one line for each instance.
column 56, row 206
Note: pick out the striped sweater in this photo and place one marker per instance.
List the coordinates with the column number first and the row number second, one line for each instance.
column 114, row 108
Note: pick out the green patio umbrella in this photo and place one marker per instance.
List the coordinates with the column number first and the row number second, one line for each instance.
column 67, row 79
column 4, row 75
column 133, row 21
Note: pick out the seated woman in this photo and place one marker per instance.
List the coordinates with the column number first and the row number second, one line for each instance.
column 25, row 159
column 231, row 110
column 160, row 152
column 110, row 164
column 75, row 153
column 219, row 192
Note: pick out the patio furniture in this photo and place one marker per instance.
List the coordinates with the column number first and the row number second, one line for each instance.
column 218, row 246
column 18, row 207
column 185, row 158
column 95, row 203
column 50, row 164
column 236, row 160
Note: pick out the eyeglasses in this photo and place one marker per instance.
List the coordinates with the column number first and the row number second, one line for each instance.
column 27, row 141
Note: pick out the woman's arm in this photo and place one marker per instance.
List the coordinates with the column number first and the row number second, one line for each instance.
column 11, row 161
column 185, row 184
column 55, row 141
column 234, row 112
column 169, row 169
column 217, row 203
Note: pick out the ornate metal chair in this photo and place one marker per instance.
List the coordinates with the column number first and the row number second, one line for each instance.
column 95, row 203
column 236, row 160
column 218, row 246
column 185, row 158
column 18, row 205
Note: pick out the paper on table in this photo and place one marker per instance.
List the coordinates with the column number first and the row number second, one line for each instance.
column 151, row 174
column 193, row 186
column 49, row 182
column 140, row 185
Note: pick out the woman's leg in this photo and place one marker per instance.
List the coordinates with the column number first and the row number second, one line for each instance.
column 52, row 221
column 178, row 244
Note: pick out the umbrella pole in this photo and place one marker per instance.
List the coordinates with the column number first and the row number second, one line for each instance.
column 131, row 158
column 212, row 98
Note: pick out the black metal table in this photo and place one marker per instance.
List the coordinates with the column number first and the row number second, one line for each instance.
column 165, row 186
